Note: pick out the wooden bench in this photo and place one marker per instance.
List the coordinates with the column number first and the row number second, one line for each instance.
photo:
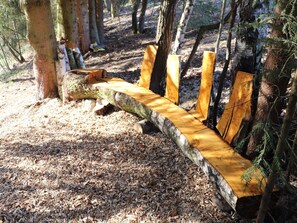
column 203, row 146
column 221, row 164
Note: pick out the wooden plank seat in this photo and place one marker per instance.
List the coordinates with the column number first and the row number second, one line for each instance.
column 221, row 164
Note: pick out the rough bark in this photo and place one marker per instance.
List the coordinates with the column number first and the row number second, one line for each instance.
column 159, row 71
column 99, row 20
column 291, row 108
column 142, row 16
column 41, row 36
column 69, row 22
column 93, row 25
column 83, row 25
column 182, row 27
column 275, row 78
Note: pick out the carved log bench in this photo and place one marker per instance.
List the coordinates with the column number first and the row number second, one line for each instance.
column 220, row 163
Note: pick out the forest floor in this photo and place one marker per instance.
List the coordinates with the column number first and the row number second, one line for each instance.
column 61, row 163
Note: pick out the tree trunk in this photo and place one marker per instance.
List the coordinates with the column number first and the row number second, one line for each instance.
column 134, row 15
column 223, row 75
column 249, row 43
column 291, row 108
column 69, row 22
column 199, row 37
column 107, row 5
column 142, row 16
column 93, row 25
column 41, row 36
column 159, row 71
column 182, row 27
column 100, row 21
column 114, row 8
column 276, row 75
column 83, row 25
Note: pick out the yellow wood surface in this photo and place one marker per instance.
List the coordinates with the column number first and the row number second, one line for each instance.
column 205, row 86
column 238, row 107
column 213, row 148
column 172, row 78
column 147, row 66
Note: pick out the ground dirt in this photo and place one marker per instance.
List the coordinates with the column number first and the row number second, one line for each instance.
column 61, row 163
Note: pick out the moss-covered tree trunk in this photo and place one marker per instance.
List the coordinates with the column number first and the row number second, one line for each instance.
column 159, row 71
column 42, row 38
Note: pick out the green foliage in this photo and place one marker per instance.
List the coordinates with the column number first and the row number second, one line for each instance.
column 12, row 32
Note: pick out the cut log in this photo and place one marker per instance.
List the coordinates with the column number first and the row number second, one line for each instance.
column 203, row 146
column 145, row 127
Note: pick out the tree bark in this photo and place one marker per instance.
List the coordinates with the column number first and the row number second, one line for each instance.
column 41, row 36
column 93, row 25
column 291, row 108
column 107, row 5
column 275, row 78
column 100, row 21
column 83, row 25
column 159, row 71
column 134, row 15
column 114, row 8
column 142, row 16
column 223, row 75
column 68, row 9
column 182, row 27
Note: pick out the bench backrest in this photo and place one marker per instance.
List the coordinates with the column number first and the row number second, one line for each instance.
column 203, row 100
column 172, row 77
column 238, row 108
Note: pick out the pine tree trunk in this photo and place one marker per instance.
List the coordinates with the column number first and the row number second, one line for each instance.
column 291, row 108
column 41, row 36
column 159, row 71
column 100, row 21
column 182, row 27
column 83, row 25
column 69, row 22
column 93, row 25
column 134, row 15
column 142, row 16
column 275, row 78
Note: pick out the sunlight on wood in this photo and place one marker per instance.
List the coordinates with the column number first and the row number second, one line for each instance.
column 147, row 66
column 205, row 86
column 238, row 107
column 172, row 79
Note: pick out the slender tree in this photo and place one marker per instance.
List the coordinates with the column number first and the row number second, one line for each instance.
column 100, row 21
column 142, row 16
column 41, row 36
column 93, row 24
column 135, row 7
column 164, row 43
column 182, row 27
